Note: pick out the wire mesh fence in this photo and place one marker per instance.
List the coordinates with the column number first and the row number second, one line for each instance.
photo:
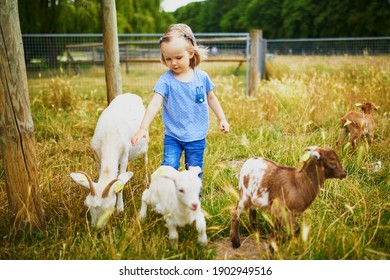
column 330, row 46
column 82, row 55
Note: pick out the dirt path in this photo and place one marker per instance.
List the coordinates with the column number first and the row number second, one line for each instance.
column 250, row 249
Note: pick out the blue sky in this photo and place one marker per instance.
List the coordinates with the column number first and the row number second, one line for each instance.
column 172, row 5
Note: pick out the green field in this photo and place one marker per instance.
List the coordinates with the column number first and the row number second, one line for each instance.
column 298, row 106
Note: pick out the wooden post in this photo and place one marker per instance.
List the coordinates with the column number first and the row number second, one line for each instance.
column 111, row 50
column 17, row 141
column 253, row 62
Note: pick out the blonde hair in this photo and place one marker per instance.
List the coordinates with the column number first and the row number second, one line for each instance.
column 183, row 30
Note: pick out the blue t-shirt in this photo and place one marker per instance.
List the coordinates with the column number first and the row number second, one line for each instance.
column 185, row 109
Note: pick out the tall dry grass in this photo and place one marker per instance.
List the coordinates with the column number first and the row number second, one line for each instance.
column 298, row 106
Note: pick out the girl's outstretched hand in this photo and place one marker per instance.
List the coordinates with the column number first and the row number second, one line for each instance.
column 224, row 126
column 139, row 135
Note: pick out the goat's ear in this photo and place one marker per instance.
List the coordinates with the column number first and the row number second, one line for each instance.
column 122, row 180
column 125, row 177
column 358, row 104
column 305, row 157
column 80, row 179
column 168, row 172
column 117, row 186
column 196, row 169
column 375, row 107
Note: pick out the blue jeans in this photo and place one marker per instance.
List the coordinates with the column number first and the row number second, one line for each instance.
column 193, row 153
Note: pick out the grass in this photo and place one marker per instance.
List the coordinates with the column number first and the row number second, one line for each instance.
column 298, row 106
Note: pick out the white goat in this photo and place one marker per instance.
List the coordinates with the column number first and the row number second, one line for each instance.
column 175, row 195
column 111, row 144
column 284, row 191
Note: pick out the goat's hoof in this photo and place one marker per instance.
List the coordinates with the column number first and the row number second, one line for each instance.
column 141, row 216
column 119, row 213
column 273, row 247
column 173, row 243
column 297, row 231
column 202, row 239
column 254, row 227
column 236, row 243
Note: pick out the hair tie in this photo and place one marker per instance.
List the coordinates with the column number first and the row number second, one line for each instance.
column 190, row 38
column 161, row 40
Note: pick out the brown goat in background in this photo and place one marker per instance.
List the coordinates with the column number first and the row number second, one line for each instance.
column 358, row 124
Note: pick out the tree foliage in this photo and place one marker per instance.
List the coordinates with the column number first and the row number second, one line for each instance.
column 277, row 18
column 84, row 16
column 290, row 19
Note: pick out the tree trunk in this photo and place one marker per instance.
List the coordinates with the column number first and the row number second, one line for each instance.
column 17, row 142
column 111, row 50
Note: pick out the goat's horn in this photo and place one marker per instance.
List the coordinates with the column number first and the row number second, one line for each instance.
column 108, row 187
column 91, row 186
column 311, row 148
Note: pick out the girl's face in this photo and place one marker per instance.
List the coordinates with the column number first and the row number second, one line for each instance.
column 176, row 54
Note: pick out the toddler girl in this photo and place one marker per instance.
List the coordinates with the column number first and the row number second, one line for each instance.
column 184, row 92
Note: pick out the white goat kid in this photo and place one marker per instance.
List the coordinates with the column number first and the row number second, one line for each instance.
column 175, row 195
column 113, row 150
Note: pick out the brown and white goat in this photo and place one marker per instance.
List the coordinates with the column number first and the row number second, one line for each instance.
column 358, row 124
column 284, row 191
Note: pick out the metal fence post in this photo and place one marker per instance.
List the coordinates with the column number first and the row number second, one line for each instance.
column 262, row 52
column 247, row 52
